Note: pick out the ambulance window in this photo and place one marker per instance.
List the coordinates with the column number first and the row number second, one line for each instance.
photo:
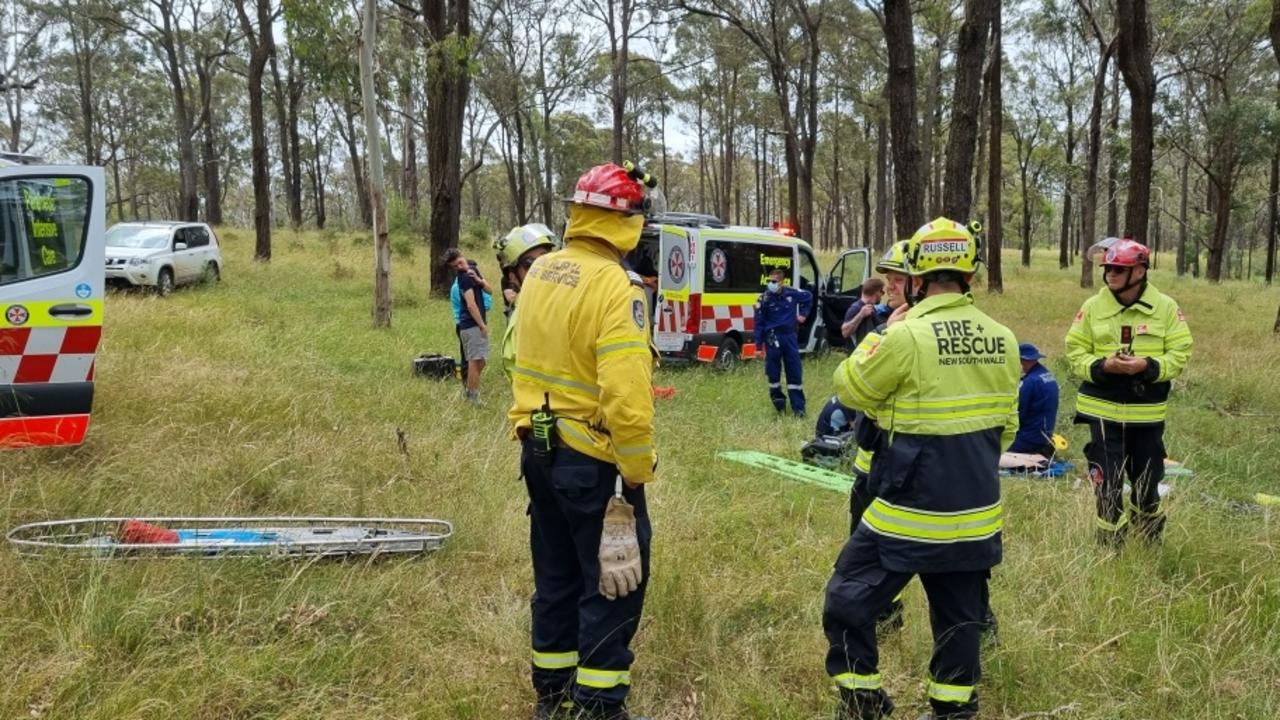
column 43, row 222
column 197, row 237
column 741, row 267
column 808, row 272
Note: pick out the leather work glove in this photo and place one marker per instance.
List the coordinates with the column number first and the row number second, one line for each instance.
column 620, row 570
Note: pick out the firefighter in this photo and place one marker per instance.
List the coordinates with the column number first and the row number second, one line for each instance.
column 942, row 383
column 516, row 252
column 583, row 410
column 1126, row 343
column 780, row 310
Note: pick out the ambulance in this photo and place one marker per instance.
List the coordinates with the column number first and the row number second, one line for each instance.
column 52, row 271
column 710, row 275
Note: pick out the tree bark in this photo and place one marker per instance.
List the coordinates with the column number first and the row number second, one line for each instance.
column 287, row 168
column 1134, row 35
column 880, row 239
column 1113, row 157
column 908, row 193
column 1272, row 219
column 210, row 156
column 1089, row 208
column 449, row 54
column 995, row 279
column 971, row 50
column 1182, row 218
column 1064, row 239
column 261, row 47
column 382, row 246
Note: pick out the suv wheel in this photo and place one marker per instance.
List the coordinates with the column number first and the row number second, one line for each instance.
column 211, row 273
column 727, row 355
column 164, row 282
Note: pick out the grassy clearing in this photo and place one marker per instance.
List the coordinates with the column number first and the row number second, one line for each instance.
column 270, row 393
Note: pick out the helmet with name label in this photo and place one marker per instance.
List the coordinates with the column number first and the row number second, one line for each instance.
column 942, row 245
column 894, row 259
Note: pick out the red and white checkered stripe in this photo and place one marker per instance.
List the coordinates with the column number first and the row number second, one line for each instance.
column 48, row 354
column 723, row 318
column 672, row 316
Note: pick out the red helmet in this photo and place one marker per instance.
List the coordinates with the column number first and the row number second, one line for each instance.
column 1125, row 252
column 610, row 187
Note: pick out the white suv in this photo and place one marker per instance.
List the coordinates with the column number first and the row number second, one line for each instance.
column 162, row 255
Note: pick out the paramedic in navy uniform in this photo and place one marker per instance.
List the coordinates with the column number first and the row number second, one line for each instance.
column 778, row 312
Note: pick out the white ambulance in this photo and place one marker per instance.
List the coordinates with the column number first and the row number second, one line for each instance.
column 52, row 229
column 710, row 276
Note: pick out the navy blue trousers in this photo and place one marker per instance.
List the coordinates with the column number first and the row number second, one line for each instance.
column 783, row 349
column 581, row 640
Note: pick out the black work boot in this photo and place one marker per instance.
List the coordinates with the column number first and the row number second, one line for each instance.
column 863, row 705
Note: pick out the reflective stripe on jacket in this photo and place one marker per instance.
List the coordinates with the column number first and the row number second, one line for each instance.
column 583, row 341
column 1156, row 330
column 942, row 386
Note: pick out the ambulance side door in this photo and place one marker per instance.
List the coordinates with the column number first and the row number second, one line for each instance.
column 673, row 289
column 52, row 273
column 841, row 288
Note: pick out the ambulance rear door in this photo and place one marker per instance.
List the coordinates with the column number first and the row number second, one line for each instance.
column 52, row 268
column 674, row 279
column 842, row 288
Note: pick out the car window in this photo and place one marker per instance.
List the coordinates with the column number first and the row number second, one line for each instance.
column 43, row 222
column 134, row 236
column 847, row 278
column 197, row 237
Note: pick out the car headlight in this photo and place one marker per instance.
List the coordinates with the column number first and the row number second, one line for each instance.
column 139, row 261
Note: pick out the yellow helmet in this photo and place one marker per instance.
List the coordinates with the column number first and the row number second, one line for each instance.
column 521, row 240
column 895, row 258
column 942, row 245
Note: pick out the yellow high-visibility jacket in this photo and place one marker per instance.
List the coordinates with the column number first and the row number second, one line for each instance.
column 583, row 330
column 943, row 386
column 1154, row 328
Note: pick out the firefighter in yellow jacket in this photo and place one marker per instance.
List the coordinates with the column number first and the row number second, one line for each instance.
column 942, row 385
column 584, row 413
column 1127, row 343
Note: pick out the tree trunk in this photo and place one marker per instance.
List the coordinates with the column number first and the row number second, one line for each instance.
column 880, row 238
column 908, row 194
column 1064, row 240
column 1182, row 219
column 1089, row 208
column 1113, row 158
column 347, row 129
column 448, row 54
column 1222, row 188
column 1026, row 215
column 995, row 280
column 261, row 48
column 382, row 246
column 929, row 122
column 1134, row 35
column 971, row 50
column 209, row 149
column 1272, row 219
column 282, row 128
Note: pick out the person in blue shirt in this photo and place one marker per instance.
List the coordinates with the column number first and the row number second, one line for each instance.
column 835, row 419
column 865, row 314
column 778, row 312
column 1037, row 405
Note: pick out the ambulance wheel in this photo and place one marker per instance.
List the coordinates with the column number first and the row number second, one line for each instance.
column 727, row 355
column 164, row 282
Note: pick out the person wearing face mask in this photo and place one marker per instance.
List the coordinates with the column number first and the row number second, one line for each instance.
column 1126, row 343
column 780, row 310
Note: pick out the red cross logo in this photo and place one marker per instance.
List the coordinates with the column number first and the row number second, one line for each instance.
column 675, row 265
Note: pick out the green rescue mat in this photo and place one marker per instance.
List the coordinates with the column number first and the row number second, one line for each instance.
column 792, row 469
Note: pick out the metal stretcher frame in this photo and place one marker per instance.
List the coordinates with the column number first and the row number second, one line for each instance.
column 293, row 537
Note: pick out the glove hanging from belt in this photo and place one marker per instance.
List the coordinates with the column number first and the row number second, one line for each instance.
column 620, row 569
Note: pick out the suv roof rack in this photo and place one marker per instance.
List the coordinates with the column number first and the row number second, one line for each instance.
column 687, row 219
column 10, row 158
